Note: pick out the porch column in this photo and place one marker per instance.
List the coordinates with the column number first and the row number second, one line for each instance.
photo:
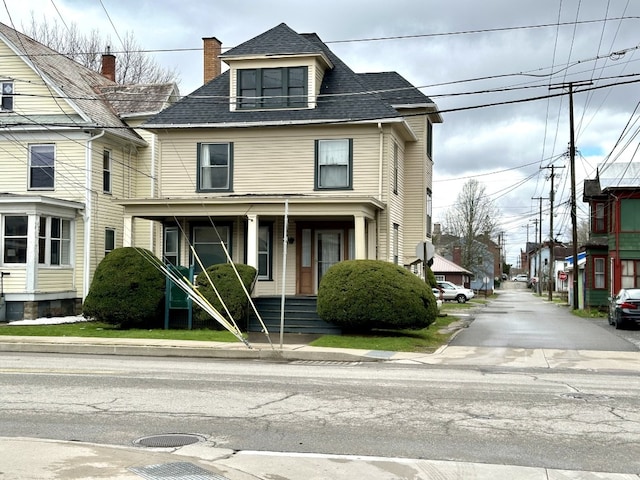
column 31, row 268
column 127, row 234
column 373, row 240
column 252, row 240
column 360, row 237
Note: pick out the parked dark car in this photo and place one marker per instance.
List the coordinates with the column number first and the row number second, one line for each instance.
column 624, row 308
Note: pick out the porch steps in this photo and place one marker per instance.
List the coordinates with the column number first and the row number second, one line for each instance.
column 299, row 316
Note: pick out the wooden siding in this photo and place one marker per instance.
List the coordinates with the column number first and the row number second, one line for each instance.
column 51, row 280
column 32, row 95
column 284, row 158
column 69, row 177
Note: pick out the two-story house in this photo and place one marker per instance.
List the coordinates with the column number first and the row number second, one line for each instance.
column 291, row 162
column 613, row 249
column 67, row 152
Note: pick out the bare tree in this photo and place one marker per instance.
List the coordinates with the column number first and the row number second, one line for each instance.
column 134, row 66
column 473, row 216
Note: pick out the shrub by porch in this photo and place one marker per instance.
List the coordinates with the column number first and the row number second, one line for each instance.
column 362, row 295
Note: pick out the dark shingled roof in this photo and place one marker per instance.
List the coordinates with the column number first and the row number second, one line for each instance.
column 344, row 95
column 280, row 40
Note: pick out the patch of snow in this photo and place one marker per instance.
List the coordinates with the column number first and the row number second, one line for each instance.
column 49, row 321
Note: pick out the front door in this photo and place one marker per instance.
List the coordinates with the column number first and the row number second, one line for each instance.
column 328, row 251
column 319, row 249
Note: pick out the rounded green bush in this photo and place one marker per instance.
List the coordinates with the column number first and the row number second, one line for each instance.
column 127, row 290
column 361, row 295
column 224, row 278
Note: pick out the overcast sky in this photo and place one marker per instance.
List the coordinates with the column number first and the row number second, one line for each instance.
column 462, row 54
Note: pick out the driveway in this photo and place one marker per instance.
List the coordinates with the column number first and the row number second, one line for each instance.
column 519, row 319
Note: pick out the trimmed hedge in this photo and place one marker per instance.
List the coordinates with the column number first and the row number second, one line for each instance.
column 226, row 282
column 126, row 291
column 361, row 295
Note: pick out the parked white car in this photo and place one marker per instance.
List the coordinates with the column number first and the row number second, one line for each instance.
column 451, row 291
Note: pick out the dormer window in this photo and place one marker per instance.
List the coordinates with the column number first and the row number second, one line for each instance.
column 260, row 88
column 6, row 102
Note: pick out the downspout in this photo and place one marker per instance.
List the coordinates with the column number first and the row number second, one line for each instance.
column 152, row 230
column 88, row 211
column 380, row 160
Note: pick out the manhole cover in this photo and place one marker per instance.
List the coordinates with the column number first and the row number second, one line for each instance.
column 169, row 440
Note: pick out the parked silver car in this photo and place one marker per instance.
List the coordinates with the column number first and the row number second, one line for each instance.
column 451, row 291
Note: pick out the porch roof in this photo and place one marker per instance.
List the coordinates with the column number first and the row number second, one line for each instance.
column 261, row 205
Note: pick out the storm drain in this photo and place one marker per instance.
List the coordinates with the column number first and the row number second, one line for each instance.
column 178, row 470
column 169, row 440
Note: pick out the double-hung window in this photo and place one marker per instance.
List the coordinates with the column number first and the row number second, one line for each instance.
column 334, row 164
column 41, row 167
column 215, row 167
column 109, row 240
column 599, row 224
column 395, row 168
column 172, row 246
column 272, row 88
column 6, row 100
column 54, row 241
column 630, row 273
column 599, row 273
column 107, row 165
column 15, row 239
column 265, row 254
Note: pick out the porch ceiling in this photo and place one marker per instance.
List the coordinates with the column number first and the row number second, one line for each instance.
column 167, row 208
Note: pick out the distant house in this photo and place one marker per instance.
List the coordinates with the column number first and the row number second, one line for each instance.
column 291, row 162
column 68, row 147
column 613, row 249
column 444, row 269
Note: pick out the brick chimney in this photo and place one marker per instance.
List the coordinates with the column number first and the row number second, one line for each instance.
column 212, row 65
column 457, row 255
column 109, row 65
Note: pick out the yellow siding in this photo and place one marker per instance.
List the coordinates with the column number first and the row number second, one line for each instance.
column 284, row 158
column 16, row 281
column 32, row 96
column 54, row 280
column 69, row 166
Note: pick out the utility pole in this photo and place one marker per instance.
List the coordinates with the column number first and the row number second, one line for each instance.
column 540, row 269
column 535, row 270
column 572, row 157
column 552, row 256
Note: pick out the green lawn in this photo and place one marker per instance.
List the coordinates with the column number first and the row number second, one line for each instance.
column 424, row 340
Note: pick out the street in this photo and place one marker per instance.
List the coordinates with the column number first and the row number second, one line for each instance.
column 553, row 418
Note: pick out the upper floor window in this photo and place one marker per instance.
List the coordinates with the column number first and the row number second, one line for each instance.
column 41, row 167
column 6, row 102
column 599, row 224
column 272, row 88
column 334, row 164
column 395, row 168
column 15, row 239
column 429, row 139
column 106, row 171
column 215, row 167
column 54, row 241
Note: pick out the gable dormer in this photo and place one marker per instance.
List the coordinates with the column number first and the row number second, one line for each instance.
column 279, row 69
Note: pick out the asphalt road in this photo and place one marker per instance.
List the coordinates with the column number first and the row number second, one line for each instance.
column 578, row 420
column 518, row 319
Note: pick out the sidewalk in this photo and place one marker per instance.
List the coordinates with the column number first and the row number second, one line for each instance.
column 27, row 458
column 33, row 459
column 447, row 355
